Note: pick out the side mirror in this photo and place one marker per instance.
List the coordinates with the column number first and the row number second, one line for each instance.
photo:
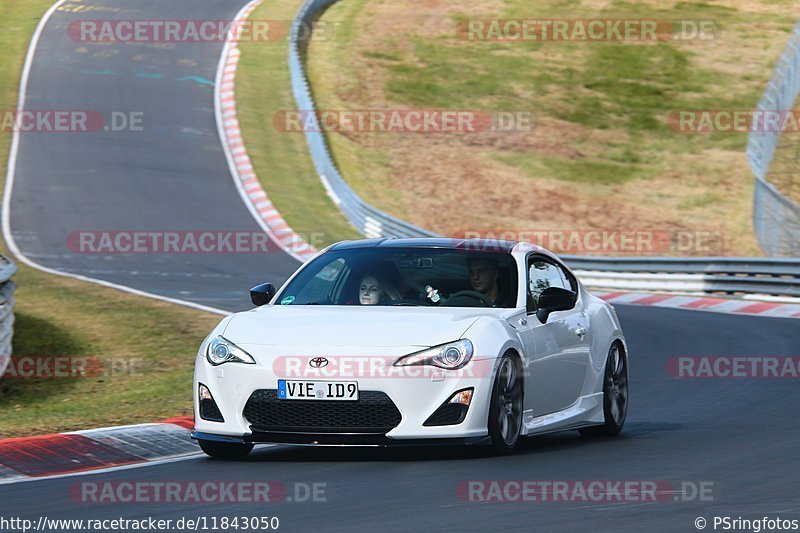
column 262, row 294
column 555, row 299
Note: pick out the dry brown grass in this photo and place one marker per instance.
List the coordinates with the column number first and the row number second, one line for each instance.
column 539, row 179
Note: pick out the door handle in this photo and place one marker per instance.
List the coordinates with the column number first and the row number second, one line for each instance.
column 580, row 331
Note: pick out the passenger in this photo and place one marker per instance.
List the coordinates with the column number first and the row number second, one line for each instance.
column 374, row 290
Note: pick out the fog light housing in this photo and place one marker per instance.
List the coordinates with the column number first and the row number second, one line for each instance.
column 453, row 411
column 462, row 397
column 207, row 406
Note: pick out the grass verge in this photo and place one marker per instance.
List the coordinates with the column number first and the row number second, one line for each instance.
column 601, row 154
column 281, row 159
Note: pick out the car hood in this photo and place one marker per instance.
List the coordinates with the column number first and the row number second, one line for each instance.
column 352, row 326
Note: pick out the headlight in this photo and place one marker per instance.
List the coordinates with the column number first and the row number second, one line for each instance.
column 220, row 350
column 451, row 356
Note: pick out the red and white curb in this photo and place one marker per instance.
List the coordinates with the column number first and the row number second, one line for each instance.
column 717, row 305
column 63, row 454
column 238, row 160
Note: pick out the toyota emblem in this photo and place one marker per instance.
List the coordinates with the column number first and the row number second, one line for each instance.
column 318, row 362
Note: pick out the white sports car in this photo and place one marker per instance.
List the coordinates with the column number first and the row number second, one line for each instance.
column 413, row 341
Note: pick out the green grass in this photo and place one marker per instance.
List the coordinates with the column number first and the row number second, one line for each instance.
column 281, row 159
column 19, row 20
column 60, row 317
column 598, row 172
column 147, row 348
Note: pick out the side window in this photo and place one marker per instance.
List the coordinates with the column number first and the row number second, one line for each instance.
column 541, row 275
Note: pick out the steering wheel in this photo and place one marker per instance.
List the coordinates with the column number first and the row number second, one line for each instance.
column 475, row 295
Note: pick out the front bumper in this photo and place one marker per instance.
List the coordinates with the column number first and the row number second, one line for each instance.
column 416, row 399
column 336, row 439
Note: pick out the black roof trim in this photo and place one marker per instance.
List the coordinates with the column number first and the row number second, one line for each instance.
column 478, row 245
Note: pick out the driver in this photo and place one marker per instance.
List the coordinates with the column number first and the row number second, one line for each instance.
column 483, row 274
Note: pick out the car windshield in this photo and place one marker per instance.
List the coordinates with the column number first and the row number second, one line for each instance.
column 405, row 277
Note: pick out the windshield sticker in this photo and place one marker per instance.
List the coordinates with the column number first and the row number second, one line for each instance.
column 288, row 300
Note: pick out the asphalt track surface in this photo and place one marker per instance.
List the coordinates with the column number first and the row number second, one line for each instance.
column 171, row 176
column 740, row 435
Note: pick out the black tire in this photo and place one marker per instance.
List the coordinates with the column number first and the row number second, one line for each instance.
column 225, row 450
column 505, row 407
column 615, row 395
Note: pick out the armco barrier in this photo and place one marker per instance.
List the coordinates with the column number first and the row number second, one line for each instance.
column 7, row 269
column 709, row 275
column 367, row 219
column 696, row 275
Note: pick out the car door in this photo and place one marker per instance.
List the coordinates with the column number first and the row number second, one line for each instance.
column 560, row 352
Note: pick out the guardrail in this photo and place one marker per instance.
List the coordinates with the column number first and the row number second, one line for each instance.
column 7, row 269
column 708, row 275
column 367, row 219
column 681, row 275
column 776, row 218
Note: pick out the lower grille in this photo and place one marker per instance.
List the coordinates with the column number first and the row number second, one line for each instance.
column 447, row 415
column 373, row 412
column 210, row 411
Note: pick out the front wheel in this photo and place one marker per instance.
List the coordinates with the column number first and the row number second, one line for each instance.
column 505, row 408
column 225, row 450
column 615, row 395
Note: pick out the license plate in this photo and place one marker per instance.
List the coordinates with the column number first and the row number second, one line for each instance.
column 317, row 390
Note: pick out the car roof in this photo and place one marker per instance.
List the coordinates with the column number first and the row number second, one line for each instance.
column 483, row 245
